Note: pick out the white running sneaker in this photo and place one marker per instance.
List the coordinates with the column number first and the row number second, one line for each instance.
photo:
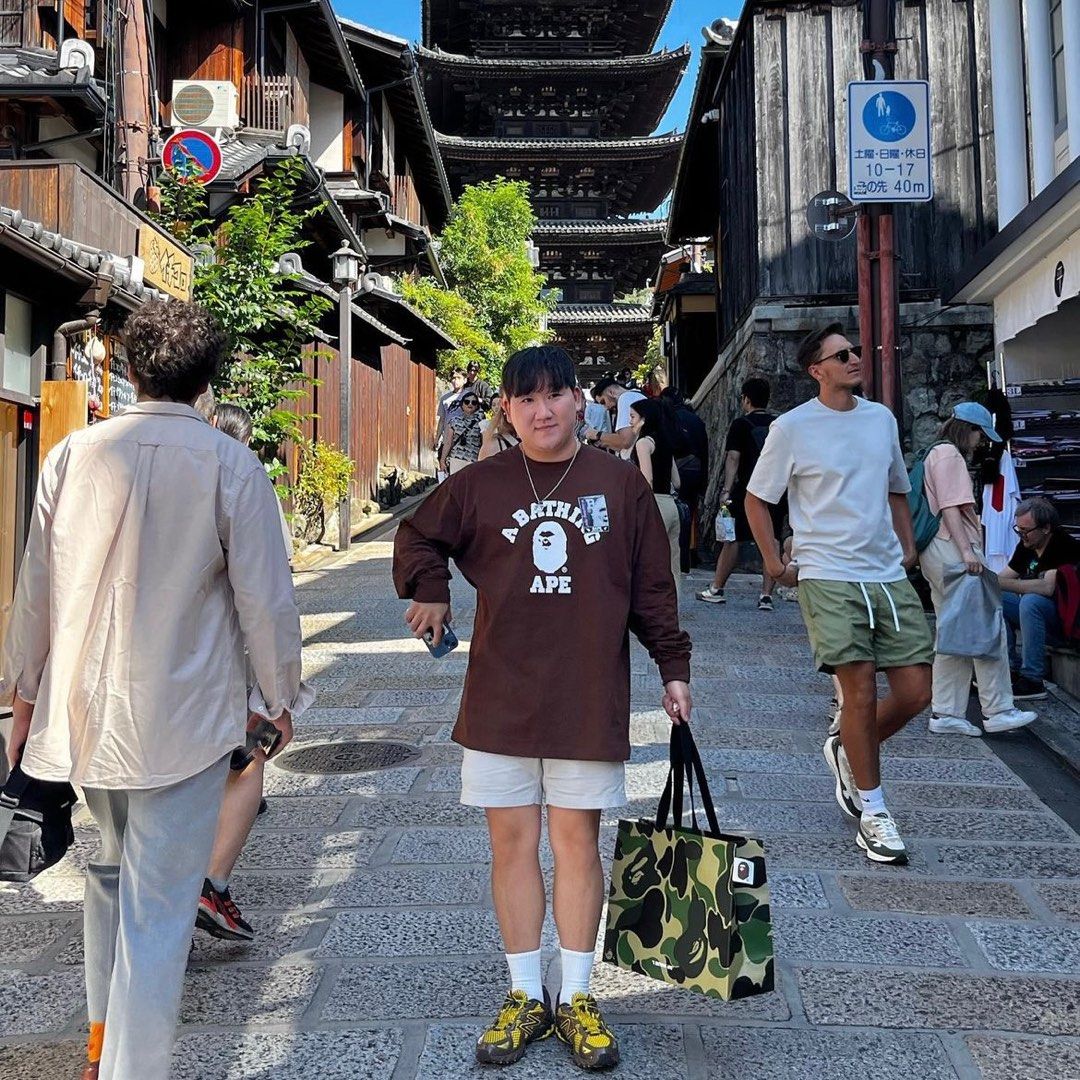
column 712, row 596
column 834, row 717
column 880, row 839
column 1008, row 721
column 953, row 725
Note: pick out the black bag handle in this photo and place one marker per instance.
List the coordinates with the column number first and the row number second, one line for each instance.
column 685, row 765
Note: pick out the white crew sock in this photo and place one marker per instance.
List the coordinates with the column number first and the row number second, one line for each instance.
column 526, row 974
column 576, row 971
column 873, row 802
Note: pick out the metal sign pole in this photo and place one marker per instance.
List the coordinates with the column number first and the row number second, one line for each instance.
column 878, row 296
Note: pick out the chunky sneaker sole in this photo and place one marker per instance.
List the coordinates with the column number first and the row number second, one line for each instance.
column 712, row 598
column 581, row 1027
column 844, row 798
column 878, row 838
column 1008, row 721
column 953, row 725
column 520, row 1021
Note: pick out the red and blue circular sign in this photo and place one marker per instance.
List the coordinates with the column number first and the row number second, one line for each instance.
column 194, row 155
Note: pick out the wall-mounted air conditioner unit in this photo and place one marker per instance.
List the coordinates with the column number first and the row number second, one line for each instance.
column 201, row 103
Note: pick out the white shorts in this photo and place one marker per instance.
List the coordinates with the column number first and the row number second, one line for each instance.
column 498, row 780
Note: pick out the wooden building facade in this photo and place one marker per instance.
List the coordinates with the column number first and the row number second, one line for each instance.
column 767, row 132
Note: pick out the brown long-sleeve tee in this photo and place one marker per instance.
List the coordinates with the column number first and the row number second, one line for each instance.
column 560, row 584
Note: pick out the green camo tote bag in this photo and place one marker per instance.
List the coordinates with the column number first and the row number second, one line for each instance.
column 690, row 907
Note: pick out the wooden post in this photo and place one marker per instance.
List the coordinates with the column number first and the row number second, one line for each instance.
column 63, row 410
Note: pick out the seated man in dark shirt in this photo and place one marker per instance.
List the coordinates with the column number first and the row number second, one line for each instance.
column 1027, row 600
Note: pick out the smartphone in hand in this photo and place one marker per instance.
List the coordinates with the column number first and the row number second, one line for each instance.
column 447, row 643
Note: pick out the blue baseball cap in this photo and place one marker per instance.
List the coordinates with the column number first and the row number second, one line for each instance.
column 971, row 412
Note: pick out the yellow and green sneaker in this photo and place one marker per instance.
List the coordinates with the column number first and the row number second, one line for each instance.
column 582, row 1028
column 521, row 1020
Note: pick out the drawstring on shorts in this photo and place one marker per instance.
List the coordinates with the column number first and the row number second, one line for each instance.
column 870, row 607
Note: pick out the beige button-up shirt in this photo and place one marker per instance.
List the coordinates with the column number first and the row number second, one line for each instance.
column 154, row 560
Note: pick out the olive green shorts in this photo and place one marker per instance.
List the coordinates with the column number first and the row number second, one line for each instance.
column 850, row 622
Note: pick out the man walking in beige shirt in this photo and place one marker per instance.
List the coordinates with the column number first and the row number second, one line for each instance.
column 154, row 562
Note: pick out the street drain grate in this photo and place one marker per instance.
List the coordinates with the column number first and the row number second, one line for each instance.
column 347, row 757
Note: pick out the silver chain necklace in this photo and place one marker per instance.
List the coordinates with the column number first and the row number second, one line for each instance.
column 561, row 478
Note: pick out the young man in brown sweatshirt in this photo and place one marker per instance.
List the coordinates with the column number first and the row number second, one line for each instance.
column 568, row 553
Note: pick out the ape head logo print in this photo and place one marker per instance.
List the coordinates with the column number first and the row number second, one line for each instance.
column 549, row 547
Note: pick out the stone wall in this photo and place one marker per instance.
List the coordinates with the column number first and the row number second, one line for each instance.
column 946, row 351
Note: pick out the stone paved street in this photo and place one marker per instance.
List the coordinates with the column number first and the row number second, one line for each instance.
column 377, row 953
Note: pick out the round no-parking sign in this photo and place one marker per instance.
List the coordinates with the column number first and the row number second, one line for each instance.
column 194, row 155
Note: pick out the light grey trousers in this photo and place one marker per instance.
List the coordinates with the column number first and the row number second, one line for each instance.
column 142, row 893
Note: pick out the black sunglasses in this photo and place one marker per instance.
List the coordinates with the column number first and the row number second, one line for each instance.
column 842, row 355
column 470, row 401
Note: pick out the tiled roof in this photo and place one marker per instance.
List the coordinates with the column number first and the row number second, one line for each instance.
column 243, row 153
column 598, row 148
column 624, row 230
column 23, row 71
column 567, row 65
column 599, row 314
column 78, row 257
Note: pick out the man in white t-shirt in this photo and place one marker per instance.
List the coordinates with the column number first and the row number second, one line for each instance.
column 838, row 457
column 613, row 395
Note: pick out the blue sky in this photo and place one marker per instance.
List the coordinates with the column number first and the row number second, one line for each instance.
column 684, row 25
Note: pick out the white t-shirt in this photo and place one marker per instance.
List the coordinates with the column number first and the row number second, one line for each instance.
column 838, row 469
column 622, row 408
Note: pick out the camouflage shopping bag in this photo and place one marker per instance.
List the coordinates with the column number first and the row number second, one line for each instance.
column 686, row 906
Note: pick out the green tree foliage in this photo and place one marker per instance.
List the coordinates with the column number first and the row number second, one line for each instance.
column 267, row 318
column 497, row 306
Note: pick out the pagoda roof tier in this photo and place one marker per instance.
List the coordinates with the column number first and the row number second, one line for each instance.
column 626, row 94
column 606, row 231
column 545, row 27
column 573, row 315
column 622, row 252
column 634, row 174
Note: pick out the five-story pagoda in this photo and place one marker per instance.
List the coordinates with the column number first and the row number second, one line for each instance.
column 564, row 94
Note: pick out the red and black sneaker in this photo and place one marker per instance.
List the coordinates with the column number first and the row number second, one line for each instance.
column 220, row 917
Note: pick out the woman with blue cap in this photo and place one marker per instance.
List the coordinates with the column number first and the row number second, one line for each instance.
column 950, row 495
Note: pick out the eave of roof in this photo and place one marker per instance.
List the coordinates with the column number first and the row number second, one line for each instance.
column 493, row 66
column 399, row 313
column 81, row 262
column 320, row 21
column 644, row 147
column 604, row 231
column 599, row 314
column 409, row 104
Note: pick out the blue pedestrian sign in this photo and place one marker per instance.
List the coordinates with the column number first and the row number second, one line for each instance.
column 889, row 153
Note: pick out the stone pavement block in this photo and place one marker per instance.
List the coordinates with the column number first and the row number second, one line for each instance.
column 846, row 940
column 900, row 794
column 50, row 891
column 25, row 940
column 835, row 853
column 905, row 999
column 625, row 992
column 408, row 699
column 274, row 889
column 359, row 717
column 431, row 845
column 978, row 824
column 408, row 932
column 222, row 994
column 272, row 850
column 383, row 782
column 277, row 937
column 787, row 890
column 1016, row 861
column 935, row 746
column 295, row 813
column 35, row 1004
column 1016, row 947
column 394, row 812
column 391, row 887
column 786, row 1054
column 1024, row 1059
column 42, row 1061
column 327, row 1055
column 654, row 1051
column 990, row 898
column 445, row 778
column 1063, row 900
column 429, row 991
column 949, row 771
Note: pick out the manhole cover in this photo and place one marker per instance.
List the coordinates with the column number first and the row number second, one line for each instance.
column 347, row 757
